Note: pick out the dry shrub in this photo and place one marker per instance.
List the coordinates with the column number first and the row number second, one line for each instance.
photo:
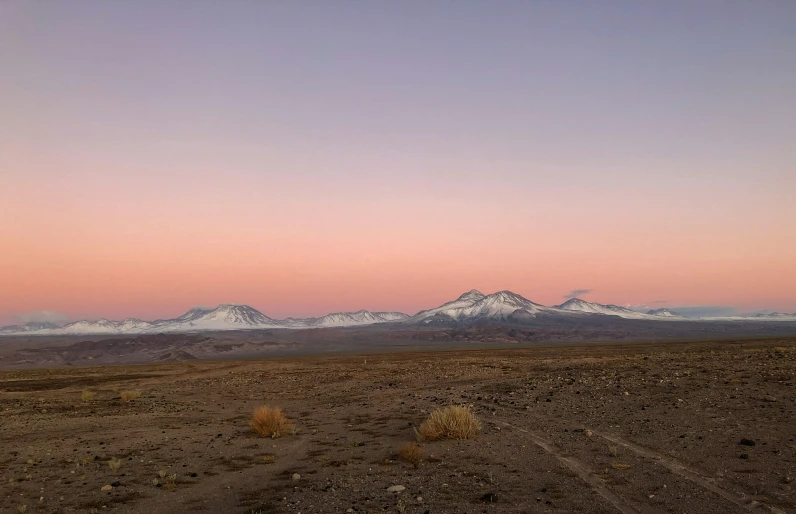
column 619, row 465
column 87, row 395
column 452, row 422
column 270, row 422
column 411, row 452
column 128, row 396
column 114, row 464
column 270, row 458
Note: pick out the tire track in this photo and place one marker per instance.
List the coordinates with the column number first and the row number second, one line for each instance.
column 583, row 471
column 688, row 473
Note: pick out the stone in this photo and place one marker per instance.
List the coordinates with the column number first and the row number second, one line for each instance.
column 395, row 488
column 106, row 488
column 296, row 476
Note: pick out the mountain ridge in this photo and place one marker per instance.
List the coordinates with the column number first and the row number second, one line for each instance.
column 470, row 307
column 664, row 312
column 578, row 305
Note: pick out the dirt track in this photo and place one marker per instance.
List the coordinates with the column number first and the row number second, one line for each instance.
column 636, row 428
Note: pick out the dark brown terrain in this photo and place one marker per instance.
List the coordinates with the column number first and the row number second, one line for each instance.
column 666, row 427
column 94, row 350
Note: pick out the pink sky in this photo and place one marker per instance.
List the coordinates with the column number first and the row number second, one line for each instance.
column 97, row 243
column 209, row 164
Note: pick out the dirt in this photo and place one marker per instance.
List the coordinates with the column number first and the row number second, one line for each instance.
column 590, row 428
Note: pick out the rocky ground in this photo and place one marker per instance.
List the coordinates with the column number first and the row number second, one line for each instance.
column 674, row 427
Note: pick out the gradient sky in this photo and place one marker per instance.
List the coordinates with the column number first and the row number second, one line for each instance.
column 308, row 157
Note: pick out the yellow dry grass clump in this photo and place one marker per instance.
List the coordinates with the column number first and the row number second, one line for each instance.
column 114, row 464
column 87, row 395
column 411, row 452
column 270, row 422
column 128, row 396
column 453, row 422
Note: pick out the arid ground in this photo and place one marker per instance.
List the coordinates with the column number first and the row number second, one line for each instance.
column 668, row 427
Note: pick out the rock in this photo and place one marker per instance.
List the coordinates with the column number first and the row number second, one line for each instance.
column 769, row 398
column 589, row 433
column 106, row 488
column 296, row 476
column 395, row 488
column 116, row 484
column 747, row 442
column 744, row 456
column 489, row 498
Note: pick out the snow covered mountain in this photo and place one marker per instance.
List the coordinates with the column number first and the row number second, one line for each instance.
column 195, row 313
column 33, row 326
column 102, row 326
column 472, row 306
column 774, row 316
column 578, row 305
column 363, row 317
column 223, row 317
column 665, row 313
column 464, row 301
column 475, row 305
column 344, row 319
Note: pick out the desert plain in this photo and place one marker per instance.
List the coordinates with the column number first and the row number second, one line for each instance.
column 647, row 427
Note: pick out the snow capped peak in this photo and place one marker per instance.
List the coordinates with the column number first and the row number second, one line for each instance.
column 133, row 325
column 472, row 294
column 240, row 316
column 31, row 326
column 578, row 305
column 391, row 316
column 783, row 316
column 665, row 313
column 572, row 302
column 101, row 326
column 508, row 296
column 475, row 305
column 362, row 317
column 194, row 313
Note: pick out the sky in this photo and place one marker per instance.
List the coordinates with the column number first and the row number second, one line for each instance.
column 310, row 157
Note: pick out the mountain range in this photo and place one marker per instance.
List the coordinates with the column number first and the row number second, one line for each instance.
column 471, row 307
